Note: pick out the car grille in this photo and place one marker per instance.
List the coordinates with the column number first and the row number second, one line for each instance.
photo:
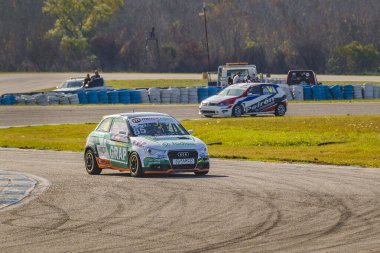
column 183, row 154
column 207, row 111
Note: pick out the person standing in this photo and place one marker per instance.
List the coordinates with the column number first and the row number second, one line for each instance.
column 237, row 78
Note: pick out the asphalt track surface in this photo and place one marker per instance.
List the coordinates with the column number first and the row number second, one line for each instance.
column 26, row 82
column 41, row 115
column 239, row 207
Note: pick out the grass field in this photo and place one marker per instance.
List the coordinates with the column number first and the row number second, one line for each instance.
column 341, row 140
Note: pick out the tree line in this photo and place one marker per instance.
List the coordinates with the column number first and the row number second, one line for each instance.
column 328, row 36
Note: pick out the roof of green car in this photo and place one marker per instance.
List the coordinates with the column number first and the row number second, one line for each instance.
column 138, row 114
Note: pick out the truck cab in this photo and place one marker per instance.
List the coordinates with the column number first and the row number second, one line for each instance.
column 301, row 77
column 227, row 71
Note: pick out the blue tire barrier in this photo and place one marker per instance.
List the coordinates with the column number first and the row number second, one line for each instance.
column 336, row 92
column 307, row 92
column 328, row 92
column 82, row 98
column 8, row 100
column 212, row 91
column 124, row 96
column 92, row 97
column 318, row 92
column 348, row 92
column 202, row 93
column 135, row 97
column 102, row 97
column 113, row 97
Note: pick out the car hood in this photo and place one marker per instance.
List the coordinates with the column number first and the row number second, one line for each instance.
column 217, row 99
column 69, row 89
column 168, row 142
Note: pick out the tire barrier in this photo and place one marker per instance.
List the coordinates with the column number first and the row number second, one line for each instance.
column 348, row 92
column 185, row 95
column 336, row 92
column 154, row 95
column 82, row 98
column 135, row 96
column 8, row 100
column 202, row 93
column 103, row 97
column 174, row 95
column 368, row 91
column 307, row 92
column 92, row 97
column 124, row 96
column 113, row 97
column 297, row 92
column 358, row 91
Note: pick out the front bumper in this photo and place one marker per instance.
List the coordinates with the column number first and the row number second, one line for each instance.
column 215, row 111
column 164, row 166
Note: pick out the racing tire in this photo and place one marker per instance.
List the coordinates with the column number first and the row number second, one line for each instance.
column 92, row 167
column 200, row 173
column 280, row 110
column 135, row 165
column 237, row 111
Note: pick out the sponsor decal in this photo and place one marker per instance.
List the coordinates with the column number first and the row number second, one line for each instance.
column 259, row 104
column 139, row 143
column 136, row 120
column 117, row 153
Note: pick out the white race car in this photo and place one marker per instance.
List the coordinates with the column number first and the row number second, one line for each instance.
column 246, row 98
column 144, row 143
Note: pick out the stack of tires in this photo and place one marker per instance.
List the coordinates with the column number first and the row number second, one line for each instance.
column 103, row 97
column 8, row 100
column 193, row 94
column 328, row 94
column 357, row 91
column 144, row 96
column 184, row 95
column 165, row 96
column 82, row 98
column 336, row 92
column 174, row 95
column 286, row 89
column 318, row 92
column 376, row 91
column 297, row 92
column 135, row 97
column 92, row 97
column 113, row 97
column 307, row 92
column 348, row 92
column 154, row 95
column 368, row 91
column 124, row 96
column 202, row 93
column 73, row 98
column 212, row 91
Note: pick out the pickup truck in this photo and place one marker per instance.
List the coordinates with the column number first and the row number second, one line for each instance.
column 300, row 77
column 227, row 71
column 77, row 84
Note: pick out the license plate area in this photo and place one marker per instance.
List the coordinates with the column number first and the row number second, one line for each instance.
column 183, row 161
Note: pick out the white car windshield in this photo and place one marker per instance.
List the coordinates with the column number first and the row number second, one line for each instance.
column 231, row 91
column 156, row 126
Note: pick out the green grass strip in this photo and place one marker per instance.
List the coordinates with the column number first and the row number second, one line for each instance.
column 340, row 140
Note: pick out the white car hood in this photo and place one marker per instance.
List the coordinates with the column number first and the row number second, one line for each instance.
column 217, row 99
column 168, row 142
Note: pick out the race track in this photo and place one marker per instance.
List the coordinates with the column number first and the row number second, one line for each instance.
column 41, row 115
column 238, row 207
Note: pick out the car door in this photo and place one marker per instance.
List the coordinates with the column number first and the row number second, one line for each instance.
column 100, row 136
column 118, row 144
column 267, row 100
column 253, row 96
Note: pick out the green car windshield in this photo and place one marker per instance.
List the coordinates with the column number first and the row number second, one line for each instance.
column 156, row 126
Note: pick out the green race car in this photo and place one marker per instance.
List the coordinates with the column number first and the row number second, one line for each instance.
column 144, row 143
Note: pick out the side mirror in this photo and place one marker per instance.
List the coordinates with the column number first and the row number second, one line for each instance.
column 190, row 131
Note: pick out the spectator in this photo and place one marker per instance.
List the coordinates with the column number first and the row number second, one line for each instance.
column 87, row 79
column 237, row 78
column 96, row 75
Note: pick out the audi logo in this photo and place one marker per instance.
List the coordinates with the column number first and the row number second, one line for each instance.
column 183, row 154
